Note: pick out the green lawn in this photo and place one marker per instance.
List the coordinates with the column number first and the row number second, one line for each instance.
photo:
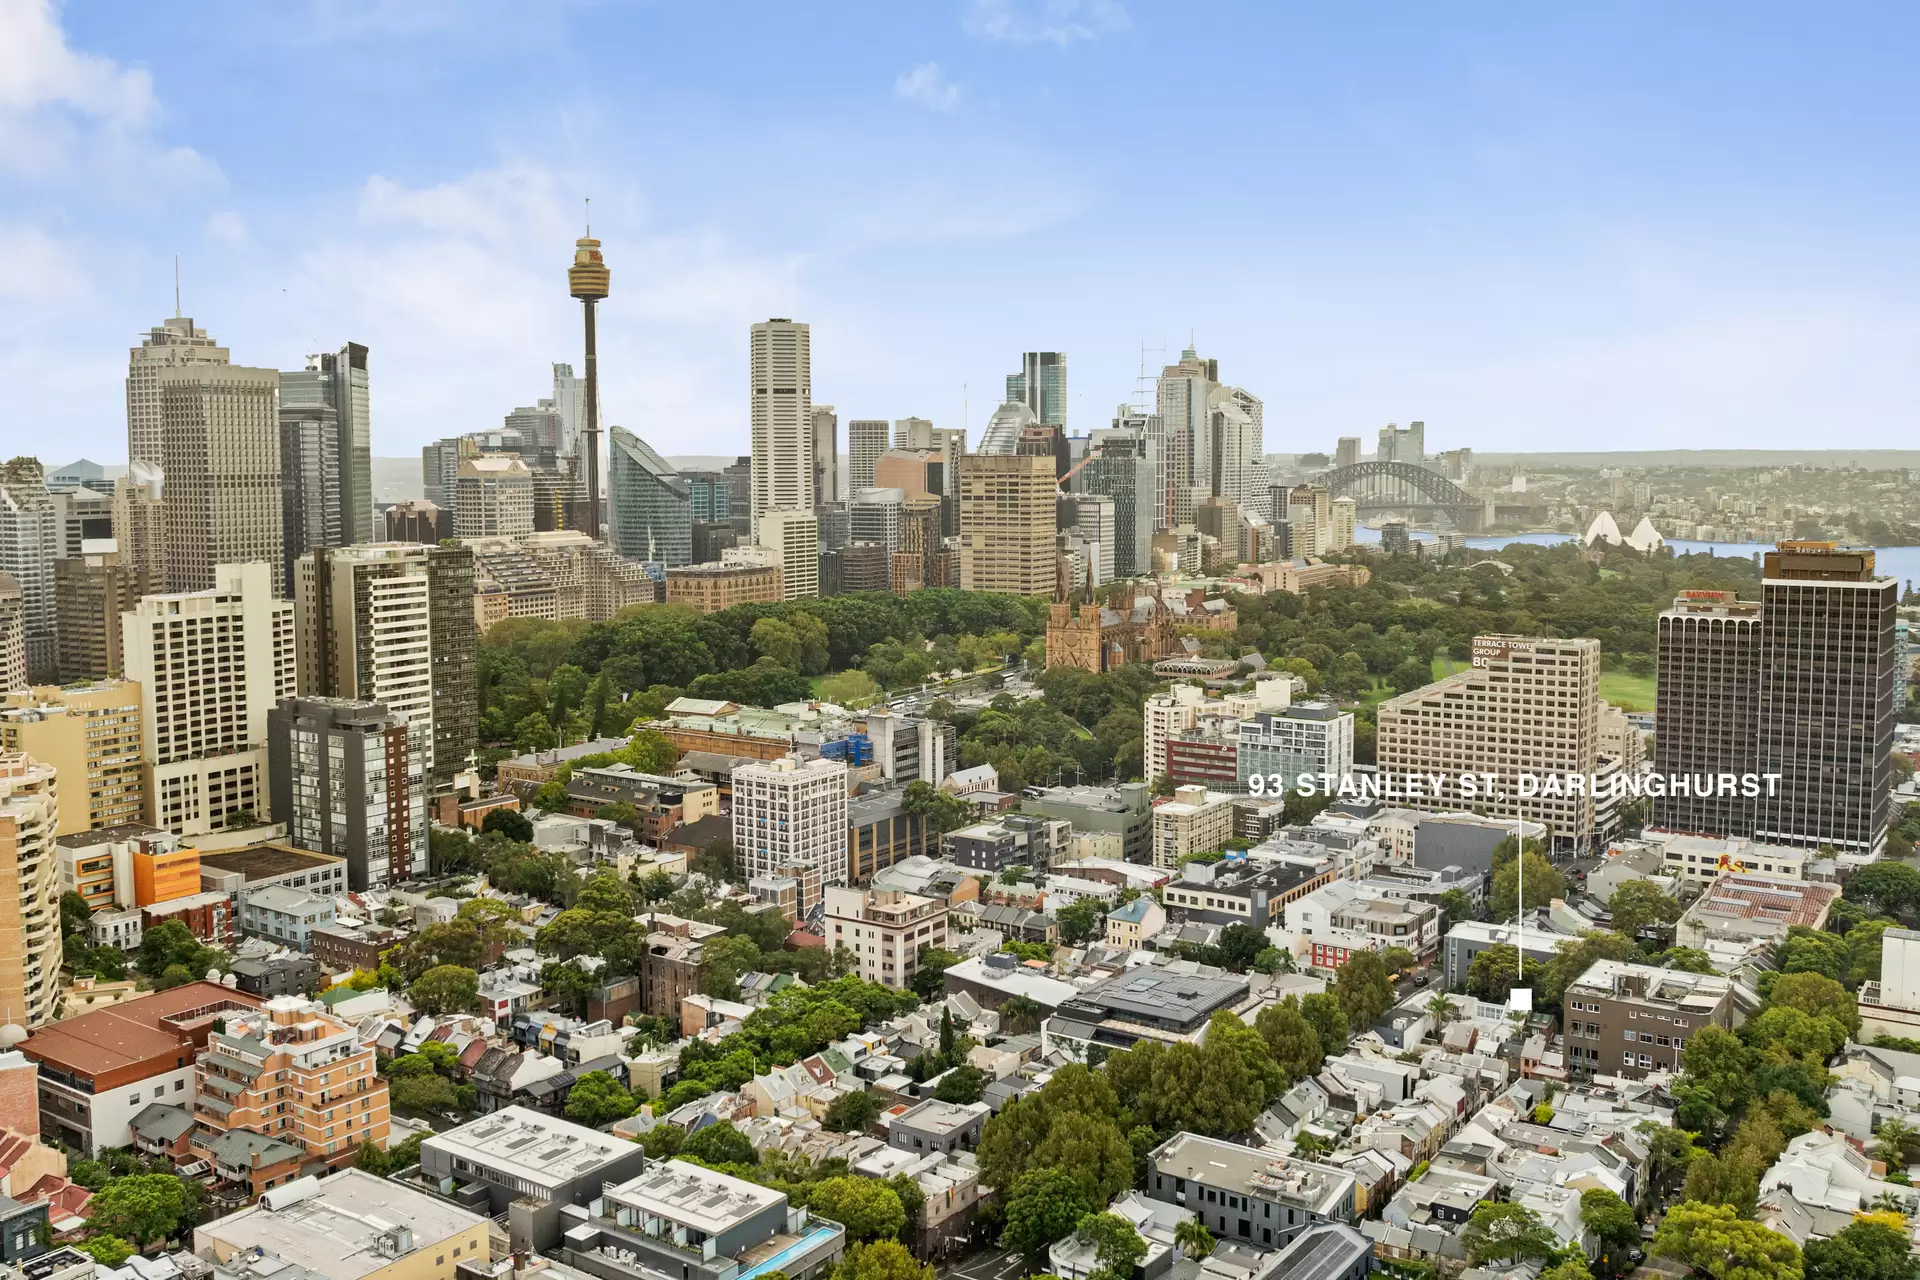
column 1443, row 666
column 1626, row 691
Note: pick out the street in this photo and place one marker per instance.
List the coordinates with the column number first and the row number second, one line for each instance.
column 985, row 1264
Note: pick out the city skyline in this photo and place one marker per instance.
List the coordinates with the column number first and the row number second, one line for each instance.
column 1504, row 235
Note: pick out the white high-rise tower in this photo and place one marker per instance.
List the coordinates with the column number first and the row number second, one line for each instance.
column 782, row 418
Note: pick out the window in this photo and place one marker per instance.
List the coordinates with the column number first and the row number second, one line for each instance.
column 1626, row 1059
column 1627, row 1036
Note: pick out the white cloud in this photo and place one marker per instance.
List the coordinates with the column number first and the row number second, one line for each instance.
column 62, row 109
column 33, row 267
column 230, row 229
column 1060, row 22
column 928, row 86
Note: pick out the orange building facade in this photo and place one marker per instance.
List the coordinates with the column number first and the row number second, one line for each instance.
column 288, row 1075
column 161, row 874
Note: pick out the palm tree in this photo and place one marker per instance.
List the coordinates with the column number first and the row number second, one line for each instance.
column 1441, row 1009
column 1020, row 1015
column 1898, row 1139
column 1193, row 1238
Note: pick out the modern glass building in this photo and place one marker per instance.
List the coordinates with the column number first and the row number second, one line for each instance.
column 649, row 503
column 710, row 494
column 1124, row 471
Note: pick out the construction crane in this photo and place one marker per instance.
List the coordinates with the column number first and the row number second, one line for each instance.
column 1061, row 483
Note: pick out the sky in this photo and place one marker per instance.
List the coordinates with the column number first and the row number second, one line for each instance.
column 1607, row 226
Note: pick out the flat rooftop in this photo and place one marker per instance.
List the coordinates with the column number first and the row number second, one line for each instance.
column 267, row 860
column 698, row 1198
column 934, row 1116
column 336, row 1230
column 1267, row 1174
column 1757, row 896
column 527, row 1144
column 1157, row 994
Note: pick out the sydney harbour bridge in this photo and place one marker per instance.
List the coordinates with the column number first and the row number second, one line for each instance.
column 1423, row 497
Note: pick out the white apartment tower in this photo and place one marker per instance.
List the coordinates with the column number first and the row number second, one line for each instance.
column 30, row 949
column 782, row 419
column 493, row 497
column 885, row 930
column 1527, row 706
column 792, row 539
column 790, row 819
column 169, row 344
column 1181, row 397
column 210, row 665
column 220, row 465
column 364, row 620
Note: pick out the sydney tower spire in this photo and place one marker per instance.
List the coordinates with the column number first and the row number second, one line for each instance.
column 589, row 280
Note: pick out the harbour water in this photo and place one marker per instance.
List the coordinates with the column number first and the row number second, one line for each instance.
column 1902, row 563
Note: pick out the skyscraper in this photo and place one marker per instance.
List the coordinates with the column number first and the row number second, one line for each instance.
column 210, row 665
column 793, row 538
column 349, row 778
column 866, row 441
column 1041, row 385
column 440, row 468
column 364, row 617
column 1825, row 713
column 570, row 402
column 1709, row 667
column 493, row 497
column 1008, row 514
column 220, row 460
column 1181, row 398
column 649, row 505
column 1235, row 447
column 782, row 418
column 589, row 280
column 826, row 455
column 456, row 693
column 338, row 381
column 29, row 544
column 139, row 526
column 169, row 344
column 309, row 481
column 1125, row 470
column 1403, row 444
column 90, row 593
column 1347, row 452
column 13, row 636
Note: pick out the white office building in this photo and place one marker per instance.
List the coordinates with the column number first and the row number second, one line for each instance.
column 792, row 542
column 1305, row 738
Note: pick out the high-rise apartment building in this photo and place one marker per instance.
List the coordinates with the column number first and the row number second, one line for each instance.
column 91, row 735
column 139, row 526
column 310, row 507
column 1526, row 706
column 1181, row 397
column 29, row 546
column 790, row 820
column 649, row 504
column 1344, row 520
column 168, row 345
column 1041, row 385
column 1309, row 517
column 220, row 463
column 1347, row 452
column 493, row 497
column 1008, row 509
column 13, row 636
column 1825, row 711
column 364, row 617
column 866, row 441
column 782, row 419
column 210, row 665
column 793, row 540
column 30, row 953
column 337, row 380
column 826, row 454
column 456, row 690
column 1709, row 656
column 349, row 778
